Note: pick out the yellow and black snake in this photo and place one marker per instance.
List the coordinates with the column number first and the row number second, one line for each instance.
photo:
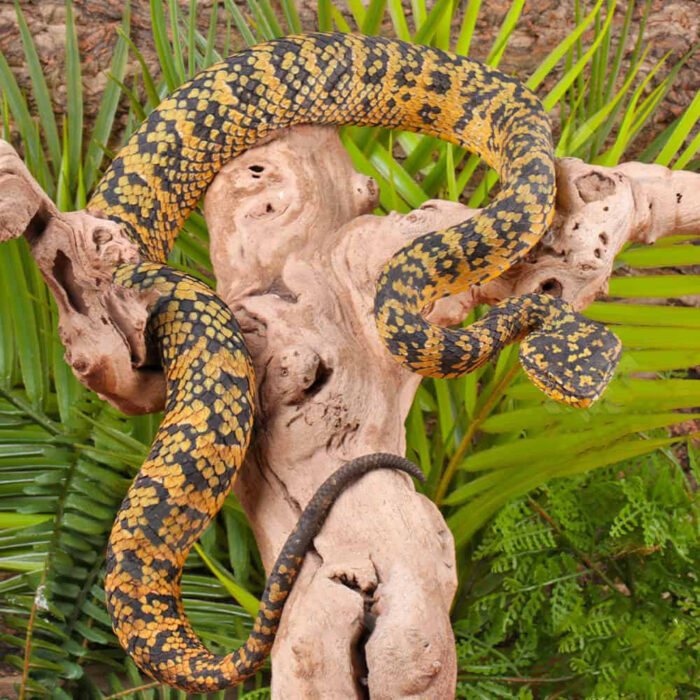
column 159, row 177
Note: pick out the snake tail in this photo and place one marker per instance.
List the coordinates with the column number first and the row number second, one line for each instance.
column 182, row 484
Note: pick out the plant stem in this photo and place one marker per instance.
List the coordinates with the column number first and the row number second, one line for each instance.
column 44, row 421
column 587, row 562
column 28, row 639
column 129, row 691
column 506, row 679
column 480, row 417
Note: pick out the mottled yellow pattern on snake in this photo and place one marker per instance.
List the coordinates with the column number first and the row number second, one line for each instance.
column 156, row 181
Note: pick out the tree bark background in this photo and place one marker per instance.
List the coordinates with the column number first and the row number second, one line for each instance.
column 672, row 26
column 296, row 258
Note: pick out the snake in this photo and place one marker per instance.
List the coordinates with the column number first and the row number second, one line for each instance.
column 155, row 182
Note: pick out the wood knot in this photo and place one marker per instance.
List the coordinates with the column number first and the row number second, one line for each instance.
column 594, row 186
column 298, row 374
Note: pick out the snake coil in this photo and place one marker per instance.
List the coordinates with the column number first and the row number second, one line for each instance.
column 158, row 178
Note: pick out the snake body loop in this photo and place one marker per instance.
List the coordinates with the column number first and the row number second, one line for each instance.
column 155, row 182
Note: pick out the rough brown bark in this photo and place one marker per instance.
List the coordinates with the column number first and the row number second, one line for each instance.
column 296, row 254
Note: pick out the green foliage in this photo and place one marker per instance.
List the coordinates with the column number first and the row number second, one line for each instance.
column 588, row 587
column 572, row 581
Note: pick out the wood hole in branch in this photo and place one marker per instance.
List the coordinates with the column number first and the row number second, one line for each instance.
column 64, row 275
column 323, row 373
column 552, row 287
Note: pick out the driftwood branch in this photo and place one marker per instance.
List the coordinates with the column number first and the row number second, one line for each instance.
column 598, row 211
column 297, row 260
column 296, row 254
column 100, row 326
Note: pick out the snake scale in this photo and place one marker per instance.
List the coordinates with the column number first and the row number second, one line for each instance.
column 159, row 177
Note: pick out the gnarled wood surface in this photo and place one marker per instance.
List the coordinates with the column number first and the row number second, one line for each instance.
column 297, row 261
column 296, row 254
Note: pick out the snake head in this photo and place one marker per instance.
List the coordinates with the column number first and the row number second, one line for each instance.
column 571, row 359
